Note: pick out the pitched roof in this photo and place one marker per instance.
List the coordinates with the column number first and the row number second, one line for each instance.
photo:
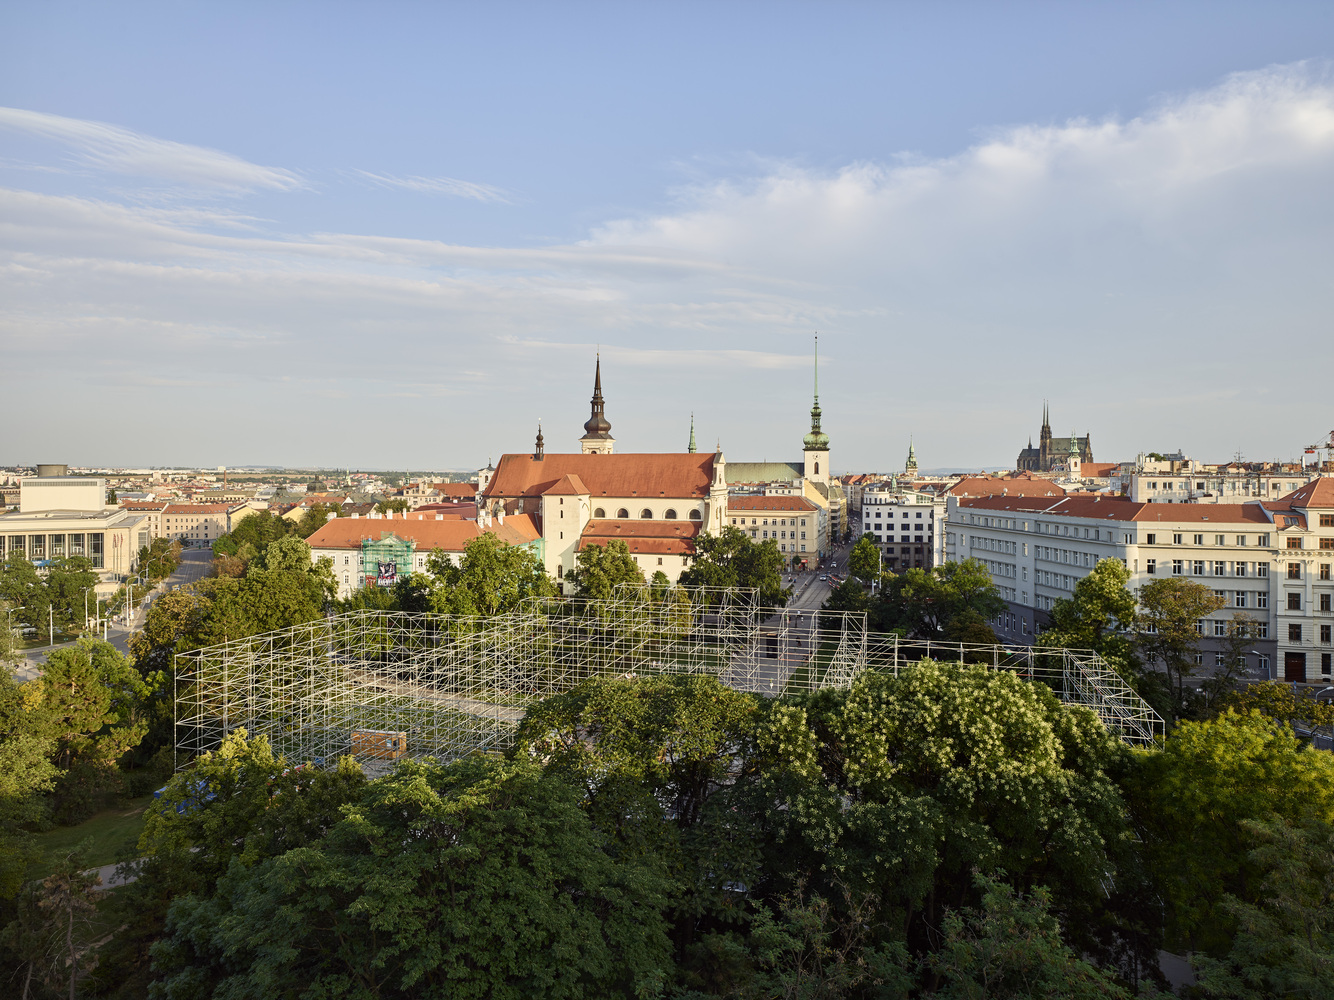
column 1119, row 509
column 1019, row 486
column 568, row 485
column 764, row 472
column 449, row 534
column 1316, row 493
column 646, row 537
column 462, row 490
column 775, row 503
column 199, row 508
column 665, row 475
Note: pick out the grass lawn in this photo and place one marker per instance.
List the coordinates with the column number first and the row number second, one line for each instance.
column 114, row 833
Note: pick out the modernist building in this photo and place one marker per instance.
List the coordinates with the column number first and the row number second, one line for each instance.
column 906, row 527
column 62, row 516
column 1271, row 560
column 1052, row 453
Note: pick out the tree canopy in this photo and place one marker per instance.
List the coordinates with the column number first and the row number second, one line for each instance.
column 600, row 569
column 734, row 559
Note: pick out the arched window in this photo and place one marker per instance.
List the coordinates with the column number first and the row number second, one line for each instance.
column 646, row 514
column 696, row 516
column 817, row 468
column 598, row 512
column 623, row 514
column 670, row 515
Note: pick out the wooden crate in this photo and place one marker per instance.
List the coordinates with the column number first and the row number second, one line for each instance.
column 383, row 744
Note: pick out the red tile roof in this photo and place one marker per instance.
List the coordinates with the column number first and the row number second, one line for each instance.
column 464, row 491
column 773, row 503
column 1316, row 493
column 568, row 485
column 1019, row 486
column 200, row 508
column 450, row 534
column 644, row 476
column 1119, row 509
column 650, row 537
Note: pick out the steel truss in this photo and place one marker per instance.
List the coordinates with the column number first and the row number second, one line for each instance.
column 455, row 684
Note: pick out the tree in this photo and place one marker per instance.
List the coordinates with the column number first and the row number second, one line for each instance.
column 733, row 559
column 68, row 581
column 600, row 569
column 909, row 782
column 1242, row 630
column 314, row 519
column 392, row 505
column 43, row 934
column 1280, row 701
column 481, row 878
column 864, row 560
column 490, row 579
column 22, row 588
column 257, row 529
column 925, row 601
column 1285, row 940
column 1009, row 947
column 1168, row 629
column 1099, row 615
column 1191, row 802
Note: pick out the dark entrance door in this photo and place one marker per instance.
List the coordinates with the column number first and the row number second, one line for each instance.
column 1294, row 667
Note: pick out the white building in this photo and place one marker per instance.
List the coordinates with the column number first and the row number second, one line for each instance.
column 1271, row 560
column 906, row 527
column 62, row 516
column 799, row 526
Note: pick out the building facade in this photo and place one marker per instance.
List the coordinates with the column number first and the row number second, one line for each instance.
column 798, row 526
column 1270, row 561
column 905, row 526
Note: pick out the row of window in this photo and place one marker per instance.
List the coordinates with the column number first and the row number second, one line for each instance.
column 1325, row 602
column 890, row 538
column 1201, row 567
column 1178, row 538
column 38, row 547
column 1296, row 631
column 600, row 513
column 791, row 522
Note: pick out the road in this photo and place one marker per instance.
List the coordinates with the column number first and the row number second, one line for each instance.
column 195, row 565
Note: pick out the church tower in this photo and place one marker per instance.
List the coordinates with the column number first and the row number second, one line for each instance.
column 691, row 448
column 1045, row 456
column 597, row 439
column 1072, row 457
column 910, row 466
column 816, row 444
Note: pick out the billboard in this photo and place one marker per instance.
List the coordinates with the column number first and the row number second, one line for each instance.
column 388, row 573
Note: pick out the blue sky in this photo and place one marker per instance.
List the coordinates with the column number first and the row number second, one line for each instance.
column 394, row 234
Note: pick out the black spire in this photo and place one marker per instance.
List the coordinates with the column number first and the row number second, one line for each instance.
column 541, row 450
column 598, row 426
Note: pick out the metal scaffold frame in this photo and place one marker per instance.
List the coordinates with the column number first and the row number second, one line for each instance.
column 379, row 684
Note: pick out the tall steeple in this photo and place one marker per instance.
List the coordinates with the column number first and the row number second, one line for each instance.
column 815, row 445
column 910, row 466
column 691, row 448
column 541, row 451
column 597, row 439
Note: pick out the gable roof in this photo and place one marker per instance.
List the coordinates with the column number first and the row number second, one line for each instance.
column 568, row 485
column 1019, row 486
column 680, row 476
column 1316, row 493
column 645, row 537
column 449, row 534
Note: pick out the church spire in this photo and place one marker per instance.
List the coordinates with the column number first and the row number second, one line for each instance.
column 541, row 451
column 816, row 440
column 691, row 449
column 597, row 437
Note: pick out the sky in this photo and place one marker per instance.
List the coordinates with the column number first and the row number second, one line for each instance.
column 397, row 235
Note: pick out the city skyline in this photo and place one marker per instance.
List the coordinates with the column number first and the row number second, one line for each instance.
column 411, row 262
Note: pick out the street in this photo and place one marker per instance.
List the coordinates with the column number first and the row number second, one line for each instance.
column 195, row 565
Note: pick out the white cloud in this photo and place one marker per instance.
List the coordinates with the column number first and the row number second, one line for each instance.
column 109, row 147
column 451, row 186
column 1134, row 271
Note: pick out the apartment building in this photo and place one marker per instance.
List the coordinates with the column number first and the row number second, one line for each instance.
column 799, row 526
column 1226, row 486
column 1273, row 560
column 905, row 526
column 1037, row 549
column 201, row 524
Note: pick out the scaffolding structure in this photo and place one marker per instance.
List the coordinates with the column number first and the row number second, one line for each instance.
column 454, row 684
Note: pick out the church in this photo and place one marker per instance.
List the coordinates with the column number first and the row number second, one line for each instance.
column 1053, row 454
column 658, row 504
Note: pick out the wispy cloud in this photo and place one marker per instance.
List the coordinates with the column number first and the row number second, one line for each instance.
column 100, row 146
column 451, row 186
